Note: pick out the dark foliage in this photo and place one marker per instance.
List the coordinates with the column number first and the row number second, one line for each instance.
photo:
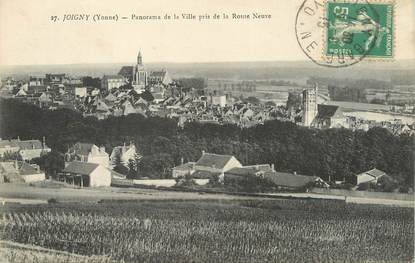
column 338, row 153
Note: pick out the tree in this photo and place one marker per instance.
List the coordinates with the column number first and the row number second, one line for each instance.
column 52, row 163
column 156, row 165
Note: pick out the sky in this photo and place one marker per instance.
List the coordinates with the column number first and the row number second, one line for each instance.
column 29, row 37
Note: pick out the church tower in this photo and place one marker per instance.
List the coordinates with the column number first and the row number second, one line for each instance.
column 139, row 58
column 309, row 105
column 140, row 75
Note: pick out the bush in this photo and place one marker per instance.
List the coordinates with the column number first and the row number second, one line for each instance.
column 52, row 201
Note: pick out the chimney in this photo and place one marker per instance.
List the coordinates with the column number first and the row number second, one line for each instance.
column 295, row 173
column 203, row 152
column 272, row 167
column 18, row 138
column 182, row 160
column 44, row 142
column 38, row 169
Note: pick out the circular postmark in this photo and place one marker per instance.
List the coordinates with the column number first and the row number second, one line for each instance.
column 336, row 33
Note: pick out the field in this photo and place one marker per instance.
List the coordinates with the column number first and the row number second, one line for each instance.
column 214, row 230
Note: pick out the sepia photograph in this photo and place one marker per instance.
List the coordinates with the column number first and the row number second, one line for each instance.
column 207, row 131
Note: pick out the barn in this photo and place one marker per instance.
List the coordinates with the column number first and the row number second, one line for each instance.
column 87, row 174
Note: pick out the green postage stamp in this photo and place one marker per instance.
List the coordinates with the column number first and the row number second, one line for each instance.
column 360, row 29
column 341, row 33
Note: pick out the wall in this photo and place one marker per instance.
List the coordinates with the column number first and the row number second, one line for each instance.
column 166, row 182
column 365, row 194
column 101, row 176
column 156, row 182
column 30, row 178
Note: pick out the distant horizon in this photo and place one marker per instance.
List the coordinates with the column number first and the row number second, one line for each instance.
column 193, row 62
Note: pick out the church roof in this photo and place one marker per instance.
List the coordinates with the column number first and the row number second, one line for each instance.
column 328, row 111
column 126, row 71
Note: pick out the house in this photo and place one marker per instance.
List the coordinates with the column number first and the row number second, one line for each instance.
column 239, row 173
column 29, row 149
column 20, row 171
column 294, row 182
column 123, row 154
column 371, row 176
column 219, row 100
column 183, row 170
column 110, row 98
column 161, row 76
column 21, row 93
column 87, row 174
column 80, row 92
column 89, row 153
column 8, row 146
column 212, row 165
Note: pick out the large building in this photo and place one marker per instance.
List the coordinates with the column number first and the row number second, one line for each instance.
column 320, row 115
column 110, row 82
column 139, row 78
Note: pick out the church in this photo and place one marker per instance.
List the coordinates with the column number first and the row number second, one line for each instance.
column 140, row 79
column 320, row 116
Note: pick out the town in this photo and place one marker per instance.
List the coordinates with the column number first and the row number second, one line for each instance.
column 155, row 94
column 134, row 90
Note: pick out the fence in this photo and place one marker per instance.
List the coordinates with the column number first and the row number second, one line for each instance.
column 365, row 194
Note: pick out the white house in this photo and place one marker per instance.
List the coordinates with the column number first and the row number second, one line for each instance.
column 87, row 174
column 212, row 165
column 371, row 176
column 20, row 171
column 219, row 100
column 80, row 91
column 89, row 153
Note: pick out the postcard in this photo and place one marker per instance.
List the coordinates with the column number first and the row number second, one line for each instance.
column 207, row 131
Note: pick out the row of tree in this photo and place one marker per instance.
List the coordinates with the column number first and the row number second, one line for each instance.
column 333, row 153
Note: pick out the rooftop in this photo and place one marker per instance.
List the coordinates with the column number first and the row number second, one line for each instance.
column 290, row 180
column 213, row 160
column 80, row 168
